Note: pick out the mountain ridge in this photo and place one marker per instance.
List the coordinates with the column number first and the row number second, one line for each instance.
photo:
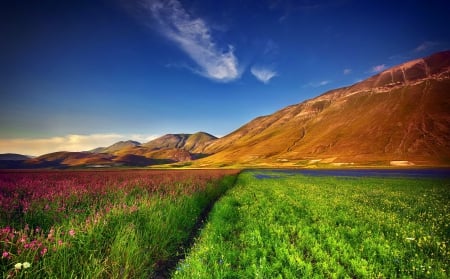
column 325, row 128
column 400, row 117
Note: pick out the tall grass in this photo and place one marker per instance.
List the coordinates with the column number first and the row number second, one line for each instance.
column 297, row 226
column 135, row 231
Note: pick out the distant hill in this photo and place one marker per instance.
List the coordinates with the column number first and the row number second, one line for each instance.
column 13, row 157
column 167, row 149
column 399, row 116
column 187, row 142
column 12, row 160
column 116, row 147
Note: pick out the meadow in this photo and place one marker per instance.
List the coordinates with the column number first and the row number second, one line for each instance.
column 282, row 225
column 102, row 224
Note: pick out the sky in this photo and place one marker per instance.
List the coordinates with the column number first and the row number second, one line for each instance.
column 75, row 75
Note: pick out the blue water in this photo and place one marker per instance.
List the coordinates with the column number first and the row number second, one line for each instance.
column 412, row 173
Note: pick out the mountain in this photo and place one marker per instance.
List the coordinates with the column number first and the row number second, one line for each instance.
column 12, row 160
column 195, row 142
column 400, row 117
column 187, row 142
column 13, row 157
column 68, row 159
column 116, row 147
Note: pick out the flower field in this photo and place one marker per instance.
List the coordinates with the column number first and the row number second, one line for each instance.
column 282, row 225
column 101, row 224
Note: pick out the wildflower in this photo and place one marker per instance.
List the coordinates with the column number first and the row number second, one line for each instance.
column 18, row 266
column 44, row 251
column 50, row 234
column 26, row 265
column 72, row 232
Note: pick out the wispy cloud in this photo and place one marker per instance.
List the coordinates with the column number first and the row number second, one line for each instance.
column 263, row 74
column 425, row 46
column 324, row 82
column 317, row 84
column 347, row 71
column 378, row 68
column 39, row 146
column 194, row 37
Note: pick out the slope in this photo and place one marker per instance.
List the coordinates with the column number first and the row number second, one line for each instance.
column 402, row 114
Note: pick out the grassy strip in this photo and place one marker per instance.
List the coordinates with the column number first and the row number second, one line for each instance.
column 133, row 237
column 325, row 227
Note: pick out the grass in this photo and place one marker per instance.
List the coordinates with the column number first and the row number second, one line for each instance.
column 293, row 226
column 137, row 231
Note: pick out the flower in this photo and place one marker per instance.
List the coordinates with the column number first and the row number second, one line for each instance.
column 44, row 251
column 26, row 265
column 18, row 266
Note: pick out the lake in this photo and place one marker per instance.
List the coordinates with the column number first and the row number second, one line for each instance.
column 419, row 173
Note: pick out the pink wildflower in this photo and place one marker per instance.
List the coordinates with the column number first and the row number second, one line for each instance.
column 50, row 234
column 44, row 251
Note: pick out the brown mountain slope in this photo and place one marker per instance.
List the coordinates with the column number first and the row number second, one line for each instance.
column 181, row 141
column 116, row 147
column 66, row 159
column 402, row 114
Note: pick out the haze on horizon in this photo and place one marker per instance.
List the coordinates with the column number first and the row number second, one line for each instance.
column 75, row 75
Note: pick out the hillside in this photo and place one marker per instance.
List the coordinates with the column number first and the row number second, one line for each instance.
column 116, row 147
column 187, row 142
column 399, row 115
column 13, row 157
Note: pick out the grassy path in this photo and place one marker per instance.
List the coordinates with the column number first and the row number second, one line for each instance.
column 325, row 227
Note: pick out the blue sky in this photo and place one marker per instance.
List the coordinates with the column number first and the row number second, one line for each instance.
column 75, row 75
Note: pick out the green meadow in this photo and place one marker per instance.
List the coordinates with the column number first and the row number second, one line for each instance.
column 275, row 225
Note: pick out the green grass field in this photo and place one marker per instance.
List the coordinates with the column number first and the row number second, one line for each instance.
column 294, row 226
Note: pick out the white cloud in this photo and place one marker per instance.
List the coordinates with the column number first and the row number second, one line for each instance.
column 378, row 68
column 263, row 74
column 317, row 84
column 347, row 71
column 193, row 36
column 39, row 146
column 425, row 46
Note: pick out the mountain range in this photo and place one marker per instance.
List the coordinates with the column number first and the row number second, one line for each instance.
column 399, row 117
